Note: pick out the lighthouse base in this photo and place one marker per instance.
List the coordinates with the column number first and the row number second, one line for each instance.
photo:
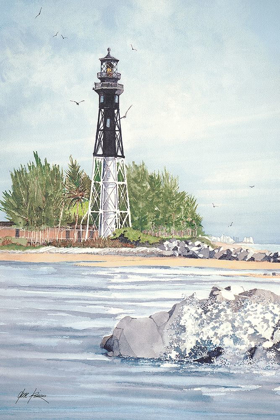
column 109, row 205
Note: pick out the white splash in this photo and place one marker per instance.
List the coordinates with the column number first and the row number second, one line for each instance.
column 201, row 329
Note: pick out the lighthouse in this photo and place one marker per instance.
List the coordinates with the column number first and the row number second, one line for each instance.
column 109, row 203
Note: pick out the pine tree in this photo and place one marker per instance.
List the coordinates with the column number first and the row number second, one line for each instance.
column 36, row 196
column 157, row 203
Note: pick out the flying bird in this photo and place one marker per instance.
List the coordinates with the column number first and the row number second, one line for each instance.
column 214, row 205
column 124, row 116
column 251, row 186
column 78, row 103
column 55, row 34
column 133, row 49
column 63, row 37
column 230, row 224
column 38, row 13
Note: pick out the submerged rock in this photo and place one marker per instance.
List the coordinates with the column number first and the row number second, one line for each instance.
column 211, row 356
column 229, row 321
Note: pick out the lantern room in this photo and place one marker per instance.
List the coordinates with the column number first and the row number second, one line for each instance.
column 108, row 68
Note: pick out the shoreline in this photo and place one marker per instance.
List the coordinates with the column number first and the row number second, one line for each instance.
column 106, row 260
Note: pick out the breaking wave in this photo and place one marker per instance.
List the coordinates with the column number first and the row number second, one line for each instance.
column 233, row 329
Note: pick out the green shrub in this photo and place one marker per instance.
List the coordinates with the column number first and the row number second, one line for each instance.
column 7, row 240
column 130, row 235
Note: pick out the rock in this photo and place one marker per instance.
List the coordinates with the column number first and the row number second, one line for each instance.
column 135, row 338
column 173, row 242
column 250, row 353
column 224, row 294
column 242, row 255
column 211, row 253
column 249, row 256
column 107, row 343
column 238, row 250
column 260, row 256
column 226, row 255
column 195, row 249
column 190, row 254
column 204, row 253
column 161, row 247
column 274, row 256
column 217, row 254
column 160, row 318
column 211, row 356
column 181, row 249
column 261, row 296
column 164, row 333
column 167, row 253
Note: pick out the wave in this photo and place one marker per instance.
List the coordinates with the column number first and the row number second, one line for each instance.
column 233, row 329
column 230, row 325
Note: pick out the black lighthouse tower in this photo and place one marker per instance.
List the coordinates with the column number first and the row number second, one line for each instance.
column 109, row 203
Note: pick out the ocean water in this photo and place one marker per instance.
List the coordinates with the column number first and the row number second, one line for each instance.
column 268, row 247
column 53, row 318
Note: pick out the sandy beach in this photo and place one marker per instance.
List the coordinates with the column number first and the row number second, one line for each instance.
column 126, row 261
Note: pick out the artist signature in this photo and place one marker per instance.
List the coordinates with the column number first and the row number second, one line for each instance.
column 35, row 394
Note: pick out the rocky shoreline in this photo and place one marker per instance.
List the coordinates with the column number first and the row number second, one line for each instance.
column 188, row 249
column 170, row 248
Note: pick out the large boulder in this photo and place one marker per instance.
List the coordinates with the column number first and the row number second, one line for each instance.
column 260, row 256
column 204, row 253
column 136, row 337
column 230, row 320
column 242, row 255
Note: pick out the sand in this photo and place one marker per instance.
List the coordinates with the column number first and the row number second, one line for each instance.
column 128, row 261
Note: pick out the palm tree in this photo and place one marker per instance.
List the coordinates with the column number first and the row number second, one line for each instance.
column 77, row 188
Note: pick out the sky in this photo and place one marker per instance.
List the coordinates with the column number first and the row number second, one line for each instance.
column 204, row 84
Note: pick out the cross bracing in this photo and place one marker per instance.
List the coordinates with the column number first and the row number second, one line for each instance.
column 109, row 204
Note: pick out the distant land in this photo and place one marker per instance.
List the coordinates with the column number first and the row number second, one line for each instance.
column 229, row 240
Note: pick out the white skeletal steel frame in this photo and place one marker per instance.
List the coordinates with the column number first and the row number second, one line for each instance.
column 109, row 204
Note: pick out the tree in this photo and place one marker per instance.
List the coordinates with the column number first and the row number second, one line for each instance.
column 77, row 187
column 157, row 203
column 138, row 190
column 36, row 196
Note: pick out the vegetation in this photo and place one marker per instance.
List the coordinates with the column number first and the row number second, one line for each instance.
column 130, row 235
column 36, row 195
column 14, row 244
column 156, row 202
column 7, row 240
column 77, row 188
column 17, row 247
column 42, row 196
column 136, row 237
